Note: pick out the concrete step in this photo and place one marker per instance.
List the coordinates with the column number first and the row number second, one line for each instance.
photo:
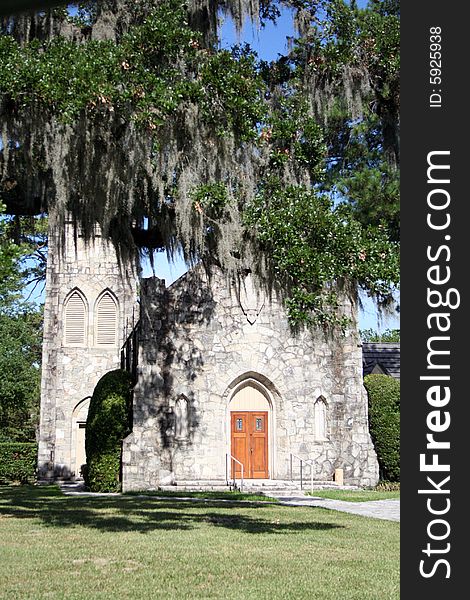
column 255, row 486
column 275, row 493
column 194, row 488
column 257, row 491
column 294, row 485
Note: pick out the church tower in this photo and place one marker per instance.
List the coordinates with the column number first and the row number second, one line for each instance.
column 90, row 308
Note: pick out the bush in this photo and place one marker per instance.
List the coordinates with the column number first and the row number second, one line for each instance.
column 384, row 423
column 387, row 486
column 18, row 462
column 109, row 422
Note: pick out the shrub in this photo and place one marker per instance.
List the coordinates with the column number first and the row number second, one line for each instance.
column 18, row 462
column 109, row 422
column 387, row 486
column 384, row 423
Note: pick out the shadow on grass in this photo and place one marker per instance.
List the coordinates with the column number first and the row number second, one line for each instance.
column 143, row 515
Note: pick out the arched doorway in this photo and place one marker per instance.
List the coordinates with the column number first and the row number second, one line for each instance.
column 250, row 430
column 79, row 416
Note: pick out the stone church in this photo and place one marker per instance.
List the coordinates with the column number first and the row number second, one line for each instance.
column 224, row 388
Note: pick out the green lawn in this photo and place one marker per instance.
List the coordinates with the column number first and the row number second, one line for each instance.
column 355, row 495
column 125, row 547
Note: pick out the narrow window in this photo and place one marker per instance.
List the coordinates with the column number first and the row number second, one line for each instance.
column 181, row 418
column 320, row 419
column 75, row 320
column 106, row 321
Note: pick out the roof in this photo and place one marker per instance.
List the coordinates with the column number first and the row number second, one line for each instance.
column 381, row 357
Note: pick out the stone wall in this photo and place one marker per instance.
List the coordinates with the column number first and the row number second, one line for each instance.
column 70, row 373
column 199, row 340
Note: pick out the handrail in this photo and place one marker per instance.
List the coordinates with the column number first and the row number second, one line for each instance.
column 307, row 462
column 234, row 476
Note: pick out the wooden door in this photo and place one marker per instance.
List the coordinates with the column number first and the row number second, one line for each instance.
column 250, row 444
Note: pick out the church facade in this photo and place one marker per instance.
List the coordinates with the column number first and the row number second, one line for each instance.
column 221, row 379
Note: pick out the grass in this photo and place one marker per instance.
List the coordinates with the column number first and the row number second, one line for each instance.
column 71, row 547
column 222, row 495
column 356, row 495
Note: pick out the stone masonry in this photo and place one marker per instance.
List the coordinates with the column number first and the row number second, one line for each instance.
column 202, row 343
column 201, row 340
column 70, row 372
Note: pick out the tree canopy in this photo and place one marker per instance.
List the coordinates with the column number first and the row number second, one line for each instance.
column 20, row 338
column 389, row 335
column 130, row 115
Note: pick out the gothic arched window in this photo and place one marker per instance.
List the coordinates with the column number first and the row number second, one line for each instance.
column 106, row 320
column 75, row 320
column 320, row 419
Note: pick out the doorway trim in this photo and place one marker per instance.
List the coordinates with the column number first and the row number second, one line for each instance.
column 267, row 389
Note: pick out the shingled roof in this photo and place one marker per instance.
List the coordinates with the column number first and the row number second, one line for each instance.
column 381, row 357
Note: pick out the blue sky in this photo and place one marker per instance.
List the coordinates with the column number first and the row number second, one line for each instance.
column 269, row 42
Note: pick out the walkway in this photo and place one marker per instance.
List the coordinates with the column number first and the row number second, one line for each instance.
column 388, row 510
column 378, row 509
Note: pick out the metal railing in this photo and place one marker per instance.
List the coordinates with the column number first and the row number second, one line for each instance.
column 302, row 461
column 227, row 468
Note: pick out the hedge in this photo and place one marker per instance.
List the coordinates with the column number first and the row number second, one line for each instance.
column 109, row 421
column 384, row 423
column 18, row 461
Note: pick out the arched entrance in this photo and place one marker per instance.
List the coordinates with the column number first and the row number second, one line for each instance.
column 250, row 429
column 78, row 454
